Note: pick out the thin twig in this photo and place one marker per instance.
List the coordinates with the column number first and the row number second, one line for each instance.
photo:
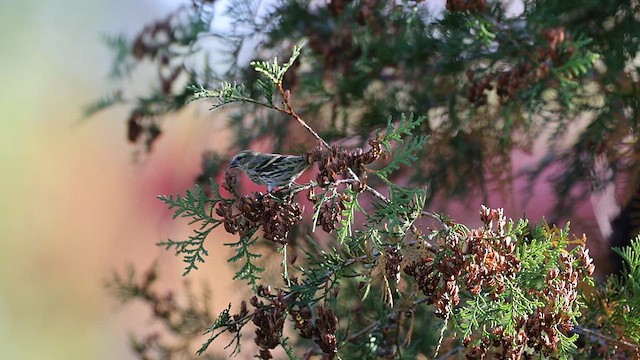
column 450, row 353
column 313, row 184
column 600, row 336
column 288, row 109
column 363, row 331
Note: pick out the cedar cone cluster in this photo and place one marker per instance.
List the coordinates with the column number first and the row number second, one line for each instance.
column 322, row 330
column 393, row 261
column 540, row 330
column 269, row 317
column 269, row 320
column 142, row 126
column 325, row 328
column 276, row 216
column 302, row 321
column 481, row 262
column 555, row 36
column 330, row 214
column 236, row 319
column 508, row 82
column 335, row 163
column 467, row 5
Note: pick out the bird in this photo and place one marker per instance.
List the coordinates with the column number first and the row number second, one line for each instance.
column 272, row 170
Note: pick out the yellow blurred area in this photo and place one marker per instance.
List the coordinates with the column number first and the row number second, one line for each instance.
column 74, row 205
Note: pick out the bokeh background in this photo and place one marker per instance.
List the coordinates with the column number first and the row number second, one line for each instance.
column 75, row 204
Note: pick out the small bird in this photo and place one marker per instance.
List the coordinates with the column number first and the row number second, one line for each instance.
column 273, row 170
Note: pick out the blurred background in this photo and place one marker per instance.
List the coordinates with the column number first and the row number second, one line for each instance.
column 76, row 206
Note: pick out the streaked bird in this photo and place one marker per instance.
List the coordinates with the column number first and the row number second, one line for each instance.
column 272, row 170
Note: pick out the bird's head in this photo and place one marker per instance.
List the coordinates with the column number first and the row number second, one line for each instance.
column 242, row 159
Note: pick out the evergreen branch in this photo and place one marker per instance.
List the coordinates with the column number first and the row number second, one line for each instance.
column 404, row 154
column 288, row 109
column 606, row 339
column 196, row 206
column 268, row 89
column 226, row 323
column 122, row 65
column 627, row 311
column 192, row 249
column 249, row 271
column 124, row 288
column 576, row 67
column 405, row 127
column 221, row 321
column 521, row 295
column 313, row 184
column 103, row 103
column 227, row 94
column 631, row 256
column 331, row 265
column 273, row 71
column 401, row 210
